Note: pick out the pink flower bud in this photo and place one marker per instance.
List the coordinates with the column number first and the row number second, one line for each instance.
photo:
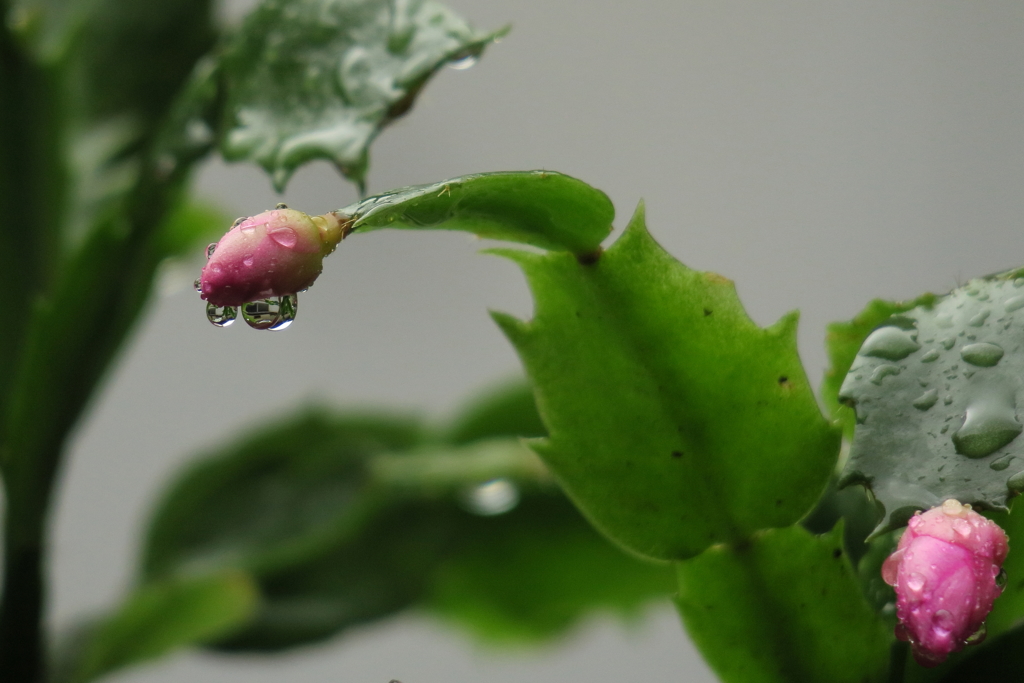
column 946, row 572
column 274, row 254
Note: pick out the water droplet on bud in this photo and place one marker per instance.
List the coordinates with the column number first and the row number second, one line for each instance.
column 281, row 205
column 221, row 316
column 273, row 313
column 286, row 237
column 210, row 248
column 198, row 285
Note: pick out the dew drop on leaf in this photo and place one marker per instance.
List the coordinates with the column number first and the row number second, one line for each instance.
column 982, row 354
column 890, row 343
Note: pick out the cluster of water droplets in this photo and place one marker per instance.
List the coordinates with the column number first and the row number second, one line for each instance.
column 959, row 344
column 271, row 313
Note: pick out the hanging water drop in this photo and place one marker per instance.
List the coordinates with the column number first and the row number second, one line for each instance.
column 198, row 285
column 890, row 343
column 273, row 313
column 221, row 316
column 210, row 248
column 493, row 497
column 462, row 63
column 982, row 354
column 1001, row 577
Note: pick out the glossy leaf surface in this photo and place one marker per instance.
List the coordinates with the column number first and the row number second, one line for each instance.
column 318, row 79
column 542, row 208
column 843, row 340
column 675, row 422
column 165, row 616
column 784, row 607
column 936, row 390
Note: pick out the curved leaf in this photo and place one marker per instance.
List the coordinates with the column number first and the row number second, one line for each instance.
column 935, row 390
column 319, row 79
column 543, row 208
column 675, row 421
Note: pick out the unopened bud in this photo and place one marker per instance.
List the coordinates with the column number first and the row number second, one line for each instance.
column 275, row 253
column 946, row 572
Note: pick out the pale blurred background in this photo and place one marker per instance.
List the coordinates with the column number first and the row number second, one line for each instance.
column 819, row 152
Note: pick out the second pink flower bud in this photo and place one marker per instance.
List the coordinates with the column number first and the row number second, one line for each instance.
column 947, row 572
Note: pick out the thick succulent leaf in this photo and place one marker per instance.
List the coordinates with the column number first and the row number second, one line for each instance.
column 318, row 79
column 280, row 495
column 783, row 607
column 843, row 340
column 936, row 390
column 542, row 208
column 534, row 572
column 164, row 616
column 675, row 421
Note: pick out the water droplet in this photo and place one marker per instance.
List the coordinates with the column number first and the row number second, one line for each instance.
column 463, row 62
column 1000, row 577
column 286, row 237
column 983, row 354
column 947, row 400
column 927, row 399
column 198, row 285
column 991, row 423
column 915, row 583
column 947, row 343
column 883, row 371
column 210, row 249
column 1002, row 463
column 247, row 261
column 281, row 205
column 944, row 321
column 1014, row 303
column 239, row 221
column 1016, row 482
column 978, row 636
column 493, row 497
column 249, row 228
column 962, row 527
column 945, row 428
column 221, row 316
column 273, row 313
column 979, row 319
column 890, row 343
column 930, row 356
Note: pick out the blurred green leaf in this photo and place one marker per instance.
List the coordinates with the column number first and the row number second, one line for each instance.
column 935, row 390
column 189, row 227
column 675, row 421
column 782, row 607
column 319, row 79
column 507, row 409
column 542, row 208
column 282, row 494
column 164, row 616
column 843, row 340
column 534, row 572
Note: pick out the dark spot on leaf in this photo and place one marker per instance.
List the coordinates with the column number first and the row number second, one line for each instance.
column 783, row 379
column 677, row 454
column 837, row 553
column 589, row 258
column 707, row 312
column 778, row 502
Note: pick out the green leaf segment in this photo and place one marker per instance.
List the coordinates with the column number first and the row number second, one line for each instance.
column 936, row 390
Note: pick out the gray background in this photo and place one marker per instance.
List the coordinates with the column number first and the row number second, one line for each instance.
column 820, row 153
